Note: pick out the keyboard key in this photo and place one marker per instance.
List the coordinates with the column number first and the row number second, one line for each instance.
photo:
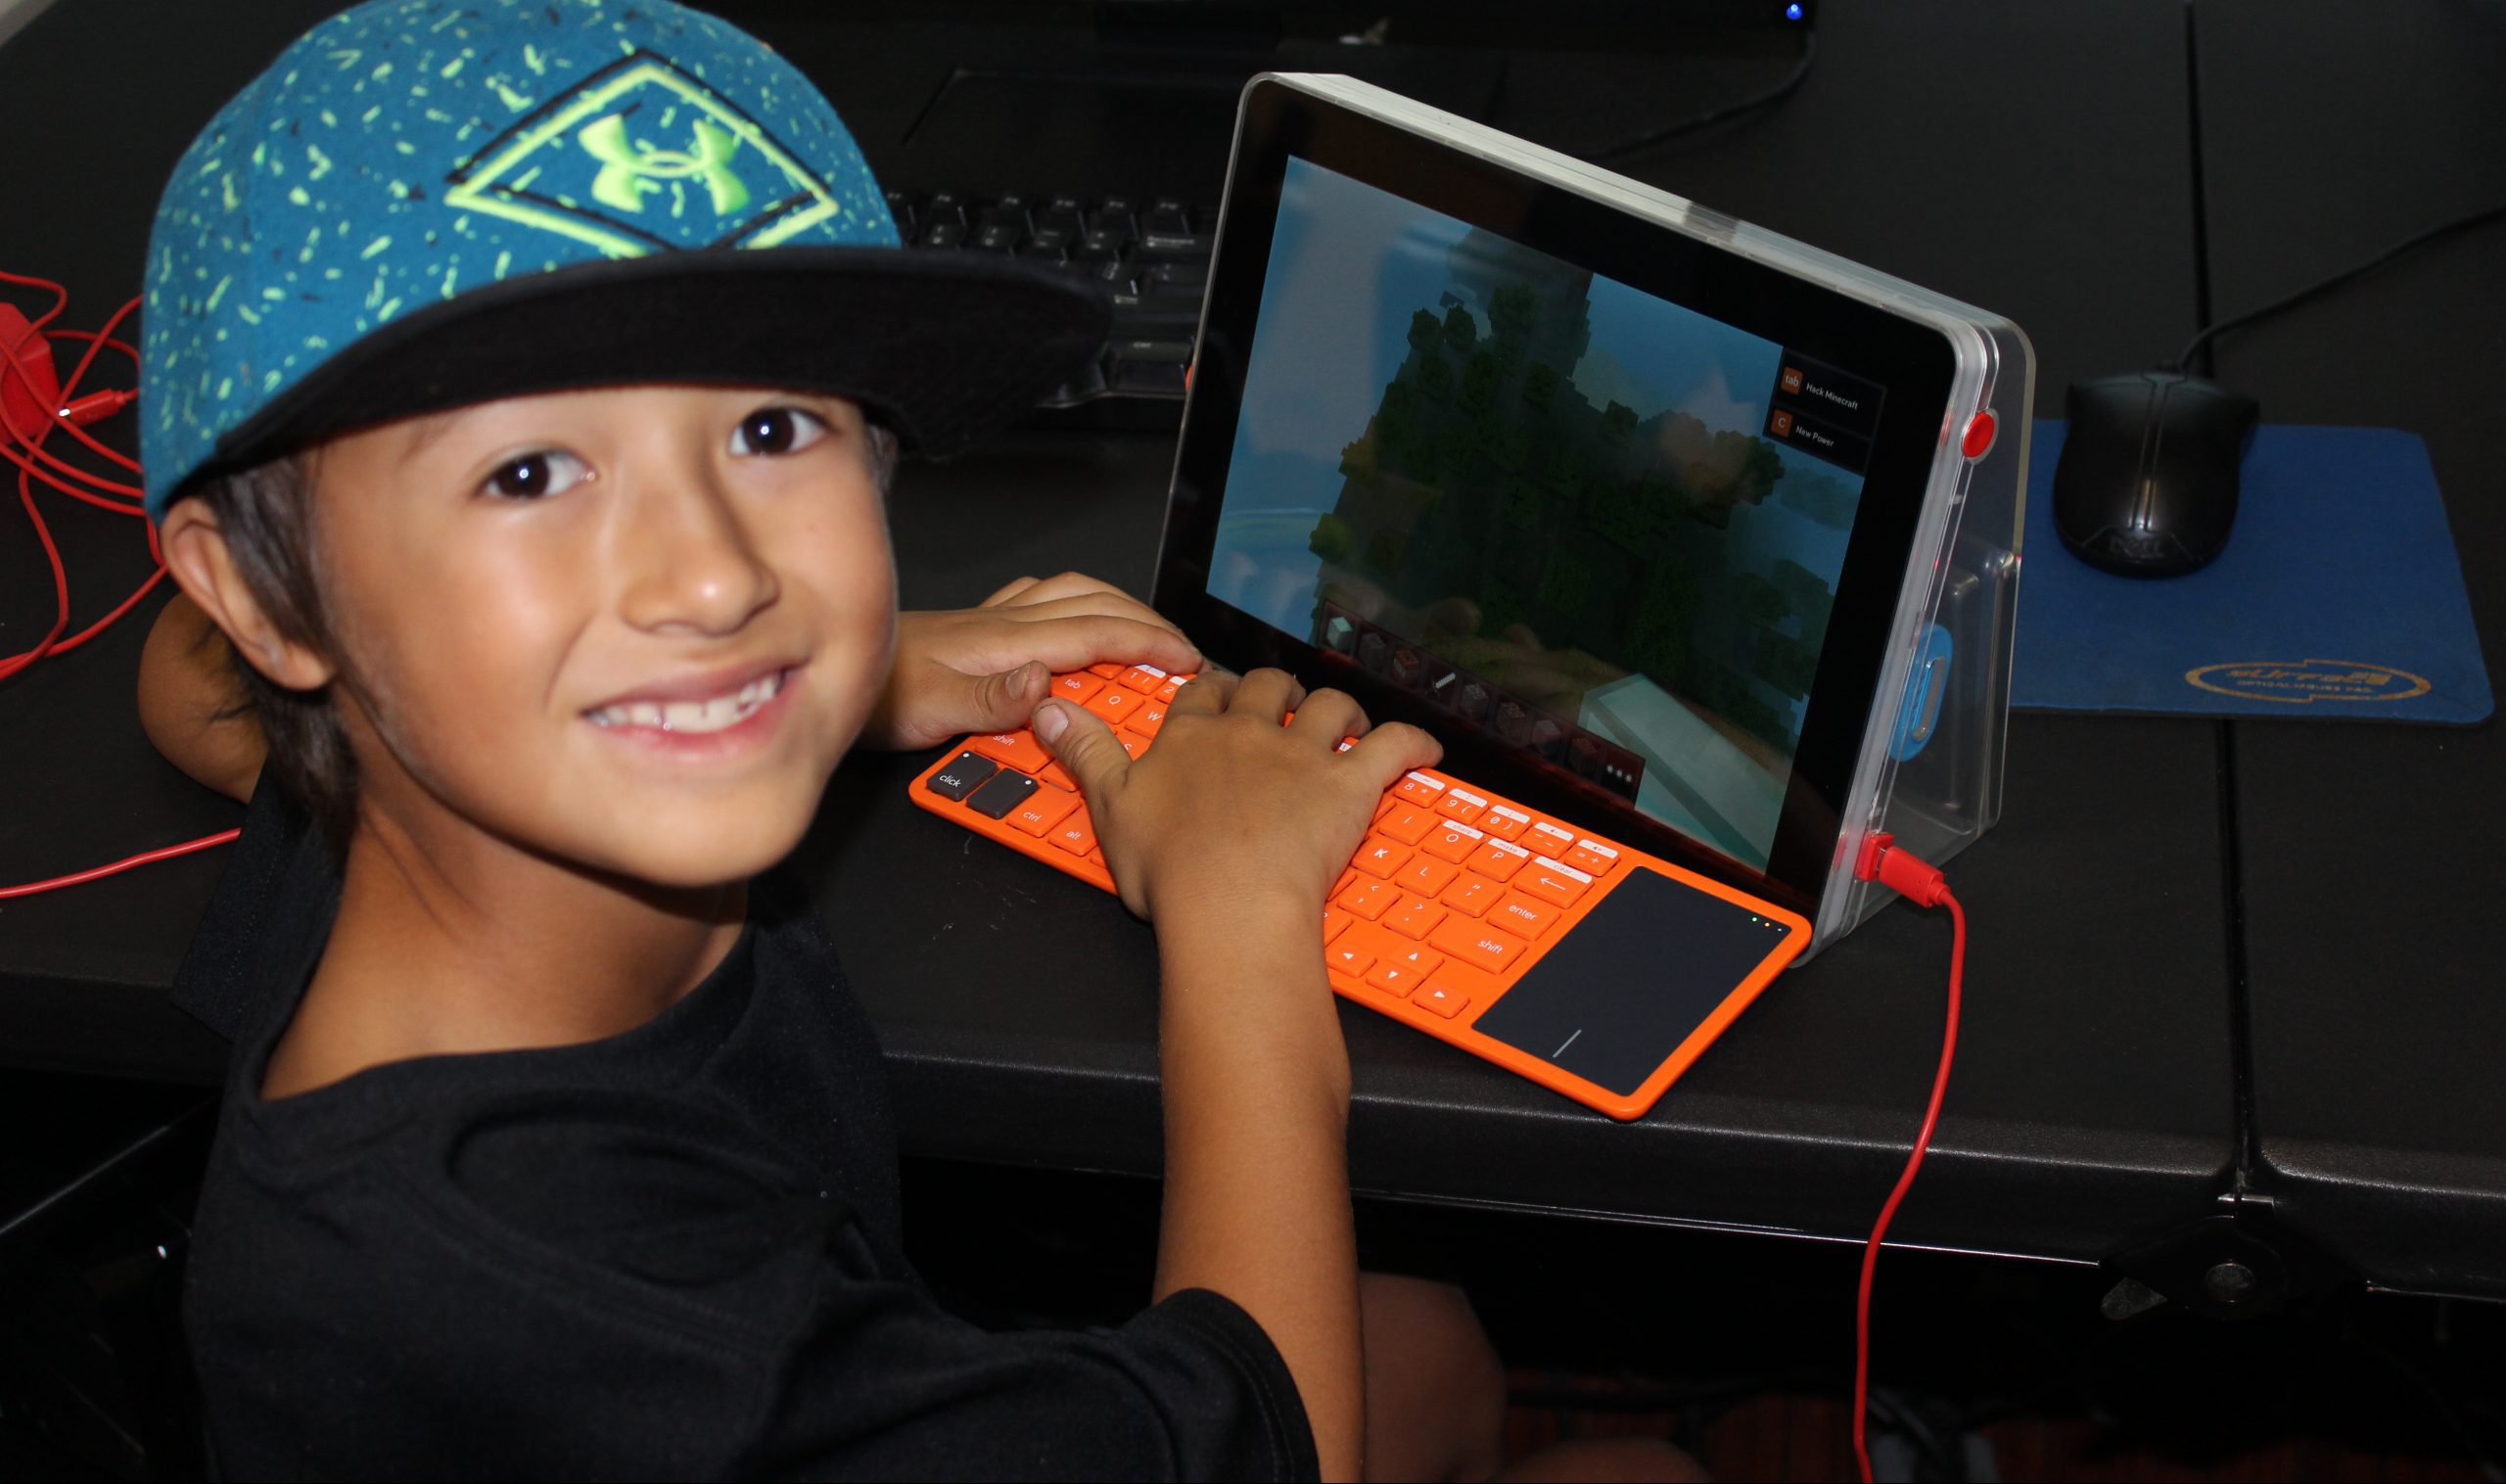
column 1414, row 917
column 1348, row 876
column 1106, row 672
column 1145, row 378
column 1146, row 719
column 900, row 205
column 1019, row 749
column 1097, row 246
column 1473, row 894
column 1168, row 353
column 1077, row 686
column 1097, row 859
column 958, row 779
column 1000, row 237
column 1369, row 900
column 1552, row 881
column 1114, row 703
column 1420, row 958
column 1476, row 944
column 1349, row 957
column 1131, row 742
column 1062, row 214
column 1167, row 214
column 945, row 206
column 1461, row 805
column 1116, row 215
column 1046, row 246
column 1418, row 788
column 1076, row 834
column 942, row 234
column 1335, row 923
column 1406, row 824
column 1427, row 876
column 1166, row 692
column 1592, row 856
column 1379, row 857
column 1145, row 678
column 1173, row 243
column 1551, row 840
column 1505, row 823
column 1498, row 862
column 1005, row 792
column 1452, row 842
column 1527, row 915
column 1443, row 998
column 1044, row 808
column 1394, row 979
column 1052, row 773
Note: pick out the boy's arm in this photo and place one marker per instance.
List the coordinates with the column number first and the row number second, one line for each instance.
column 1227, row 835
column 186, row 679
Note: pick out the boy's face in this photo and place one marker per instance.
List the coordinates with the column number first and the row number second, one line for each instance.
column 632, row 629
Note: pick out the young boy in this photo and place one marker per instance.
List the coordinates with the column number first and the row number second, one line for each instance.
column 522, row 385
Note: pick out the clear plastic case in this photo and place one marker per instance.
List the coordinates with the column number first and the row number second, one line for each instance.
column 1929, row 772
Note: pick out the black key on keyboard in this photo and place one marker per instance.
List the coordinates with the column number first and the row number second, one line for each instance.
column 997, row 238
column 1188, row 279
column 1115, row 214
column 963, row 773
column 1173, row 244
column 1169, row 215
column 1005, row 792
column 1049, row 243
column 1098, row 246
column 945, row 206
column 900, row 205
column 998, row 214
column 942, row 234
column 1062, row 214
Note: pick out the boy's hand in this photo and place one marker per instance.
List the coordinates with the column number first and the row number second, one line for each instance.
column 984, row 668
column 1230, row 809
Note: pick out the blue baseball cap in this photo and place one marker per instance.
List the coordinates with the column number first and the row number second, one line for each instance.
column 424, row 205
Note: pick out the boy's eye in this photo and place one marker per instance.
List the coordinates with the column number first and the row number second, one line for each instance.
column 533, row 474
column 777, row 430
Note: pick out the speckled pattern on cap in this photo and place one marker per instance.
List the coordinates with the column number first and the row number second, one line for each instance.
column 408, row 151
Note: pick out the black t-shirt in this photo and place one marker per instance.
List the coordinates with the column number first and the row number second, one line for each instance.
column 670, row 1253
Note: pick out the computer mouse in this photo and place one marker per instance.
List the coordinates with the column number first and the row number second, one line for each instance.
column 2146, row 482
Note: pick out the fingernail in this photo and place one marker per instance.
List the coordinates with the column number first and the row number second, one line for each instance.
column 1050, row 723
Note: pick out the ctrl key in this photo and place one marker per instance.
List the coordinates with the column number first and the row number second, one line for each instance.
column 961, row 778
column 1005, row 792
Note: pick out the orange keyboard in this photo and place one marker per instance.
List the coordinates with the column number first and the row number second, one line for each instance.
column 1450, row 899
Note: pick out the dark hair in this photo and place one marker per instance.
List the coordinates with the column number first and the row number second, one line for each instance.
column 266, row 515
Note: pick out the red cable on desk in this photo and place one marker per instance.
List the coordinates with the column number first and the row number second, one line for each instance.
column 144, row 858
column 1924, row 885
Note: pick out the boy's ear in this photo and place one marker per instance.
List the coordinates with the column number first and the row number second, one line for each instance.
column 196, row 553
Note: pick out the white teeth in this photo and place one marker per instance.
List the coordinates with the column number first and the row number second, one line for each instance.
column 694, row 716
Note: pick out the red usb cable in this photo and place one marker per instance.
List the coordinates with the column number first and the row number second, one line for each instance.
column 1924, row 885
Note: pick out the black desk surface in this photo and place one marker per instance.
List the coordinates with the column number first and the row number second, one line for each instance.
column 2035, row 162
column 2373, row 877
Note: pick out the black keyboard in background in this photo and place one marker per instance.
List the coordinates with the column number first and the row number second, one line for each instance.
column 1152, row 251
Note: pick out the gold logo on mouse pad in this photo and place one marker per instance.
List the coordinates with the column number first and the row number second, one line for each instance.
column 2297, row 682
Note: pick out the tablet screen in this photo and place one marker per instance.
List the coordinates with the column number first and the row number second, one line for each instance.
column 1574, row 514
column 1621, row 514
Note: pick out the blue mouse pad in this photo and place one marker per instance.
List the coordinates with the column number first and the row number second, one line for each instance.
column 2339, row 595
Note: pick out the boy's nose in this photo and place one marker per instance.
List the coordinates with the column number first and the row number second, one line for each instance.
column 689, row 559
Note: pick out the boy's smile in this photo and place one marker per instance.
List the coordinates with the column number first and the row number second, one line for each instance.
column 632, row 629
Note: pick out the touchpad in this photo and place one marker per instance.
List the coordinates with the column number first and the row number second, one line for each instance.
column 1632, row 980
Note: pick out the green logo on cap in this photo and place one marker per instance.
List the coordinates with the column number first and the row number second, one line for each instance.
column 591, row 165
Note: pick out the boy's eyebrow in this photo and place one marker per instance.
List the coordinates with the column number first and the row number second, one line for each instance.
column 424, row 431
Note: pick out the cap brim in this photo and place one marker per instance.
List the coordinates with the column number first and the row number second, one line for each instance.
column 944, row 348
